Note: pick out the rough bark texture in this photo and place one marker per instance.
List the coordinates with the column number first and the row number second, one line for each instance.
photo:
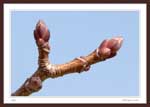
column 107, row 49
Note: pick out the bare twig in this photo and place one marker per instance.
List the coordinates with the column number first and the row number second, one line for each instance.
column 107, row 49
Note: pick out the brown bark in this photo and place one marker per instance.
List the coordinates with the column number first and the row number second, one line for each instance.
column 107, row 49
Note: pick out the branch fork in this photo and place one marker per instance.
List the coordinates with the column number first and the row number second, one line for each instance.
column 107, row 49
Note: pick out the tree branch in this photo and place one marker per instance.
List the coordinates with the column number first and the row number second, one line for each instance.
column 106, row 50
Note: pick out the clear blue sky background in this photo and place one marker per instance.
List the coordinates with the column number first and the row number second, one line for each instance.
column 75, row 34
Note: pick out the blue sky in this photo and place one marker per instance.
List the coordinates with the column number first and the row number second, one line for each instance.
column 75, row 34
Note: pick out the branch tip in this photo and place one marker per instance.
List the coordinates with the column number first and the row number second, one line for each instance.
column 109, row 47
column 41, row 31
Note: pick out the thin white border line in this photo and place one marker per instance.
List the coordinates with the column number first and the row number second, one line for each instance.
column 6, row 51
column 64, row 7
column 101, row 7
column 75, row 10
column 10, row 54
column 143, row 52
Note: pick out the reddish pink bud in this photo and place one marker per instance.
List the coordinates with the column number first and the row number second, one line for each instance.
column 41, row 31
column 35, row 83
column 109, row 47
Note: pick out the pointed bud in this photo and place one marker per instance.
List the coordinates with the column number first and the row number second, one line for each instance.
column 109, row 47
column 41, row 31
